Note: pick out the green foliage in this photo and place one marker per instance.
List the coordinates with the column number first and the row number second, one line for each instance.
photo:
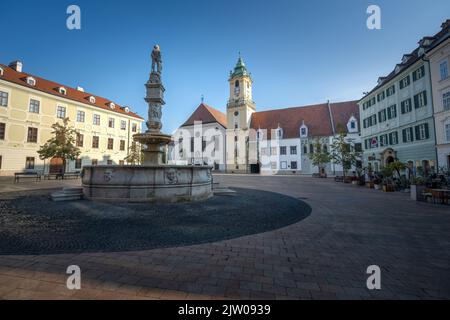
column 320, row 156
column 343, row 153
column 396, row 166
column 135, row 155
column 62, row 144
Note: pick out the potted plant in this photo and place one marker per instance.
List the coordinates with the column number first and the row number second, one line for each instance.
column 388, row 185
column 377, row 183
column 417, row 187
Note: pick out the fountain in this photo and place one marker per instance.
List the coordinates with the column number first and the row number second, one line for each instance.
column 153, row 180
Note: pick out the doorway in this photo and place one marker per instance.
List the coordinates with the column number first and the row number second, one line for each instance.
column 56, row 165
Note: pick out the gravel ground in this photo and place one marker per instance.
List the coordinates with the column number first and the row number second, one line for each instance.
column 31, row 224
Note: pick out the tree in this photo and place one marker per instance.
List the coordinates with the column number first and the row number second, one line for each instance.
column 320, row 156
column 135, row 155
column 344, row 153
column 62, row 145
column 397, row 166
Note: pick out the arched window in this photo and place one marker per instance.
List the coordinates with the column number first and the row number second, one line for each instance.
column 1, row 72
column 303, row 131
column 236, row 83
column 92, row 99
column 31, row 81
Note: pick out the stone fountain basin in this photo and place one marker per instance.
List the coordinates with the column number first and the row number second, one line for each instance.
column 165, row 183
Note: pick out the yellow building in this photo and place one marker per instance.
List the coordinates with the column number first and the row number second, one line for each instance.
column 29, row 105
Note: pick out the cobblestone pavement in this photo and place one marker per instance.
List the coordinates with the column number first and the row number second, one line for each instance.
column 324, row 256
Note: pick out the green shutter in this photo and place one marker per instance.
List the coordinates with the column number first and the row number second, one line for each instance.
column 411, row 130
column 416, row 101
column 414, row 75
column 403, row 106
column 389, row 113
column 404, row 135
column 395, row 111
column 390, row 138
column 425, row 98
column 427, row 132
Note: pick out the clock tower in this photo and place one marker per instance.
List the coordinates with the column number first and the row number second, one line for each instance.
column 240, row 107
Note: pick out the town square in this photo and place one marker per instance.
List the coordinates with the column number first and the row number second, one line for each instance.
column 272, row 169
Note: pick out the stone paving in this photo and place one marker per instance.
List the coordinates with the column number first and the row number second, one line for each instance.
column 324, row 256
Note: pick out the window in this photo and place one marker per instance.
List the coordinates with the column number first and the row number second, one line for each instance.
column 382, row 116
column 390, row 91
column 95, row 142
column 352, row 124
column 422, row 132
column 380, row 96
column 78, row 163
column 273, row 165
column 305, row 149
column 32, row 135
column 447, row 132
column 293, row 150
column 280, row 133
column 192, row 144
column 79, row 140
column 311, row 148
column 80, row 116
column 446, row 100
column 419, row 73
column 109, row 162
column 1, row 72
column 34, row 106
column 111, row 122
column 358, row 147
column 134, row 127
column 62, row 91
column 110, row 143
column 3, row 99
column 121, row 162
column 444, row 70
column 123, row 125
column 408, row 135
column 94, row 162
column 420, row 99
column 392, row 112
column 29, row 163
column 393, row 138
column 2, row 130
column 383, row 140
column 31, row 81
column 406, row 106
column 283, row 165
column 405, row 82
column 92, row 99
column 96, row 119
column 61, row 112
column 282, row 151
column 273, row 151
column 294, row 165
column 122, row 145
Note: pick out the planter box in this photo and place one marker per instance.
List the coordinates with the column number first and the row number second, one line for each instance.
column 355, row 182
column 388, row 188
column 416, row 192
column 370, row 185
column 377, row 186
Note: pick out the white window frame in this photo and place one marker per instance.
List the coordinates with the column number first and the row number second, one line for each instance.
column 123, row 125
column 8, row 95
column 443, row 66
column 446, row 100
column 39, row 107
column 57, row 111
column 92, row 99
column 31, row 81
column 94, row 118
column 447, row 131
column 79, row 113
column 111, row 122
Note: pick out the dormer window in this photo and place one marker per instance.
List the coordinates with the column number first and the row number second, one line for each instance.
column 303, row 131
column 31, row 81
column 279, row 133
column 92, row 99
column 1, row 72
column 352, row 125
column 421, row 51
column 406, row 58
column 397, row 68
column 62, row 90
column 127, row 110
column 259, row 134
column 380, row 80
column 112, row 105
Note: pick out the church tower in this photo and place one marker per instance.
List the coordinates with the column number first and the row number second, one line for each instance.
column 240, row 107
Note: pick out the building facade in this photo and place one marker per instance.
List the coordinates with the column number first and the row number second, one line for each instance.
column 201, row 140
column 439, row 58
column 397, row 115
column 30, row 105
column 270, row 142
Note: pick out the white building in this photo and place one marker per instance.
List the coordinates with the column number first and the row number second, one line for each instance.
column 439, row 58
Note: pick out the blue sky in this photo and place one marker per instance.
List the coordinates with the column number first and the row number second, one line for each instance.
column 298, row 52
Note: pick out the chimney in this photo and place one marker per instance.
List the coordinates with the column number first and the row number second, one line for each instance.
column 80, row 89
column 16, row 65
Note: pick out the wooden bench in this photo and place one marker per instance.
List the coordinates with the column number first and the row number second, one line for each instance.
column 31, row 174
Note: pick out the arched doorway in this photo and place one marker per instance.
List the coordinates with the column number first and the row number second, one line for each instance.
column 387, row 157
column 56, row 165
column 389, row 160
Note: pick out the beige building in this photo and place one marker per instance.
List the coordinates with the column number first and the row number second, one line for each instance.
column 439, row 58
column 29, row 105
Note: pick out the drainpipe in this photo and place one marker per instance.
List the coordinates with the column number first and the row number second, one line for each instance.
column 432, row 109
column 333, row 130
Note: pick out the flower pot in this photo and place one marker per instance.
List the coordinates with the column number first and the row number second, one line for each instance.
column 388, row 188
column 416, row 192
column 370, row 185
column 377, row 186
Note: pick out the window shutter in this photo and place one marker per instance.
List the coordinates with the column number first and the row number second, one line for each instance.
column 416, row 101
column 404, row 135
column 379, row 116
column 412, row 133
column 425, row 98
column 403, row 107
column 414, row 75
column 394, row 109
column 427, row 132
column 389, row 113
column 417, row 129
column 390, row 138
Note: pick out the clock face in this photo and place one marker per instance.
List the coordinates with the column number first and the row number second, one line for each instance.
column 237, row 90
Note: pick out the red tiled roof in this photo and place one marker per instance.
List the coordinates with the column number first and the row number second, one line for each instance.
column 316, row 118
column 51, row 87
column 206, row 114
column 342, row 112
